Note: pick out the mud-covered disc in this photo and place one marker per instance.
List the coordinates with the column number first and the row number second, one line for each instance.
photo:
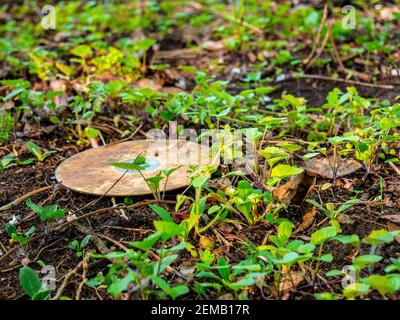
column 91, row 172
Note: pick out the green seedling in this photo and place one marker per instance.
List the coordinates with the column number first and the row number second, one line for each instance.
column 32, row 285
column 21, row 238
column 6, row 162
column 78, row 247
column 37, row 151
column 46, row 213
column 332, row 211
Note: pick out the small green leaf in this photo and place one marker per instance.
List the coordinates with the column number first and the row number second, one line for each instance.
column 326, row 258
column 83, row 51
column 288, row 258
column 379, row 237
column 322, row 235
column 366, row 260
column 167, row 229
column 224, row 268
column 381, row 283
column 199, row 181
column 348, row 239
column 148, row 242
column 162, row 213
column 120, row 285
column 85, row 241
column 285, row 230
column 29, row 281
column 35, row 150
column 282, row 171
column 96, row 281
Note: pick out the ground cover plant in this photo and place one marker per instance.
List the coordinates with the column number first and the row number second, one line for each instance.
column 311, row 86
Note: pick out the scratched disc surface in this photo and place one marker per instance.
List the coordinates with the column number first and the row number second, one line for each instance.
column 91, row 172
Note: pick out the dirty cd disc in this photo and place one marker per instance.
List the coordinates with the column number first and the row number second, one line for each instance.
column 91, row 172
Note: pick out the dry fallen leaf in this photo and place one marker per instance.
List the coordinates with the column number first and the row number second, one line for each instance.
column 172, row 90
column 308, row 219
column 296, row 189
column 345, row 219
column 393, row 218
column 393, row 227
column 148, row 83
column 214, row 45
column 225, row 227
column 290, row 281
column 206, row 243
column 59, row 85
column 331, row 167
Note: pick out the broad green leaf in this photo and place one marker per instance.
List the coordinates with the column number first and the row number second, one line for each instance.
column 348, row 239
column 83, row 51
column 366, row 260
column 147, row 242
column 161, row 212
column 326, row 258
column 199, row 181
column 379, row 237
column 285, row 230
column 29, row 281
column 120, row 285
column 224, row 268
column 167, row 229
column 322, row 235
column 96, row 281
column 381, row 283
column 282, row 171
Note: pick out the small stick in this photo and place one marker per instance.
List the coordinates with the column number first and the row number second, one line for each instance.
column 96, row 212
column 92, row 213
column 66, row 278
column 394, row 168
column 324, row 16
column 129, row 229
column 8, row 253
column 358, row 83
column 84, row 272
column 320, row 50
column 25, row 196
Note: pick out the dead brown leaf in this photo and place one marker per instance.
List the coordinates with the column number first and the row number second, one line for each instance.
column 214, row 45
column 345, row 219
column 59, row 85
column 330, row 167
column 206, row 243
column 290, row 281
column 225, row 227
column 393, row 227
column 395, row 218
column 148, row 83
column 296, row 189
column 308, row 219
column 172, row 90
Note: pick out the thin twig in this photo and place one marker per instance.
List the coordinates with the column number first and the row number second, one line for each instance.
column 25, row 196
column 353, row 82
column 320, row 50
column 84, row 272
column 102, row 210
column 394, row 168
column 324, row 16
column 66, row 278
